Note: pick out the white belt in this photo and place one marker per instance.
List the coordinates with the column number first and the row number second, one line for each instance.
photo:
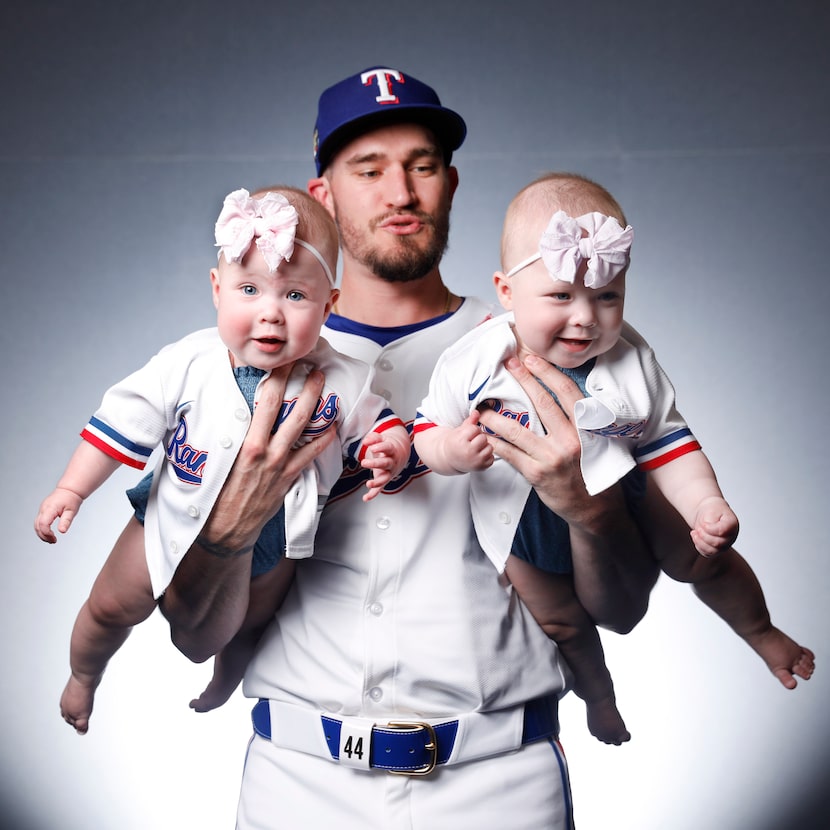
column 411, row 747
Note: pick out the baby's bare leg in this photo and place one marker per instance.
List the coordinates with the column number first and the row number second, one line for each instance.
column 228, row 670
column 552, row 601
column 121, row 597
column 266, row 596
column 728, row 585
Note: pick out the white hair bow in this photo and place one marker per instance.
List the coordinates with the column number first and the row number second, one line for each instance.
column 563, row 248
column 271, row 220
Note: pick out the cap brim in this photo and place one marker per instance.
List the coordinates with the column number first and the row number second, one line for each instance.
column 448, row 126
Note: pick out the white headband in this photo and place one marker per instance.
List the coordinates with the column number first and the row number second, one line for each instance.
column 271, row 220
column 563, row 248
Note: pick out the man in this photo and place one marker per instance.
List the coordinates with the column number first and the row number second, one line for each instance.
column 399, row 646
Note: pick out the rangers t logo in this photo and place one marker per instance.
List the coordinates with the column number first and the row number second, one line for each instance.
column 383, row 78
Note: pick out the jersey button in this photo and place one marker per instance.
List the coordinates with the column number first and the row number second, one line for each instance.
column 225, row 442
column 376, row 693
column 383, row 523
column 376, row 609
column 241, row 414
column 385, row 364
column 193, row 511
column 504, row 518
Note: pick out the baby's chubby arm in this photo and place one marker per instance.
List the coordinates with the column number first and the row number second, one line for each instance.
column 386, row 455
column 690, row 484
column 87, row 470
column 453, row 450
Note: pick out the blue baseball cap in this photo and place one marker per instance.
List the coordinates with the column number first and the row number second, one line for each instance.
column 373, row 98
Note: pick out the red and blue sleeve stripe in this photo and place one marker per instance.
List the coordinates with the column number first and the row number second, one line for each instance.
column 387, row 420
column 115, row 445
column 421, row 423
column 666, row 449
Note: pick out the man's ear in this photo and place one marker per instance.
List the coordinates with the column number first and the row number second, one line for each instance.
column 504, row 290
column 452, row 173
column 319, row 189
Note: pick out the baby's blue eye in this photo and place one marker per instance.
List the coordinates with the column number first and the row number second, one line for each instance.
column 296, row 296
column 249, row 290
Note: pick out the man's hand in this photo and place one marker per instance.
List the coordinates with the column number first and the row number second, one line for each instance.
column 613, row 570
column 549, row 462
column 207, row 599
column 266, row 467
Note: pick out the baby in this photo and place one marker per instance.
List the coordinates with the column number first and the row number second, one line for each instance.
column 565, row 254
column 273, row 288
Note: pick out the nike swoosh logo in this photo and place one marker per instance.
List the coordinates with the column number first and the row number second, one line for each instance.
column 471, row 396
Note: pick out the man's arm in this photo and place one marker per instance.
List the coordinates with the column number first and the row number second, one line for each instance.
column 207, row 599
column 613, row 569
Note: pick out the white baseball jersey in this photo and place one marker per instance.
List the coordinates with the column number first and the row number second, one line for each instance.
column 399, row 616
column 186, row 399
column 399, row 613
column 628, row 420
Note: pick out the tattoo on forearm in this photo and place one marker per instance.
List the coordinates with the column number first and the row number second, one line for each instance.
column 221, row 551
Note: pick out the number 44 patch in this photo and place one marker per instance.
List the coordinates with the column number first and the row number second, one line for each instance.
column 355, row 744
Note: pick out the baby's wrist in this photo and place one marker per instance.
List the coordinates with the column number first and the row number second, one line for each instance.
column 69, row 494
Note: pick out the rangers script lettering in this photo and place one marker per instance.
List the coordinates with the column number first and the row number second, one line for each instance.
column 188, row 462
column 324, row 415
column 498, row 406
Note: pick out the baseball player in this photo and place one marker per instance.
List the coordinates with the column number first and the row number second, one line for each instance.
column 398, row 648
column 273, row 287
column 565, row 254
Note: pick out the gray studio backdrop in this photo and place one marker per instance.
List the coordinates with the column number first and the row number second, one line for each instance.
column 122, row 127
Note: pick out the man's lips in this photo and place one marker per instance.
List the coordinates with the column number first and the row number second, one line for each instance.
column 402, row 225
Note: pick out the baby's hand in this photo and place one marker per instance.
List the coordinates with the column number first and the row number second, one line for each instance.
column 467, row 446
column 716, row 527
column 386, row 455
column 61, row 503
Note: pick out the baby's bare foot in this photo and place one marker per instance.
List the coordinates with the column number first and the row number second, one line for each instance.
column 785, row 658
column 216, row 693
column 605, row 722
column 76, row 703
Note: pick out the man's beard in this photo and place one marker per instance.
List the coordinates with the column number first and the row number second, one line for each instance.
column 409, row 261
